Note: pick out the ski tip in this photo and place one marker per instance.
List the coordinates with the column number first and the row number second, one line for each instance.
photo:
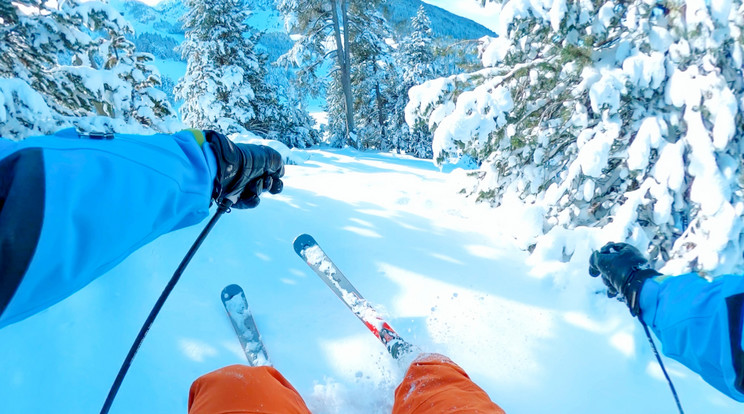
column 302, row 242
column 231, row 290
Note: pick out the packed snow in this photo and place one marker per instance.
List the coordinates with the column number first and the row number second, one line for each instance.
column 536, row 332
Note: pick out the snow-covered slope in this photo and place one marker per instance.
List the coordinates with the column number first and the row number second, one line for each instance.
column 537, row 341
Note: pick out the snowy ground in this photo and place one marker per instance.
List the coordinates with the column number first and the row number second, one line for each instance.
column 436, row 264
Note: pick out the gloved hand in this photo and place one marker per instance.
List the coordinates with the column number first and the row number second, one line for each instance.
column 244, row 171
column 624, row 270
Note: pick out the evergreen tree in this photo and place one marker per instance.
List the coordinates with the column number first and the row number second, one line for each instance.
column 75, row 57
column 282, row 113
column 163, row 47
column 8, row 13
column 147, row 104
column 372, row 61
column 326, row 31
column 456, row 58
column 227, row 86
column 336, row 109
column 167, row 84
column 619, row 116
column 417, row 51
column 415, row 60
column 320, row 23
column 222, row 70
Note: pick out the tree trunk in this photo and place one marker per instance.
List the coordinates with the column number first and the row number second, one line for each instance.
column 344, row 64
column 380, row 112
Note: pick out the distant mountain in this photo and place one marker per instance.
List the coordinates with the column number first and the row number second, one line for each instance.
column 443, row 23
column 158, row 30
column 164, row 20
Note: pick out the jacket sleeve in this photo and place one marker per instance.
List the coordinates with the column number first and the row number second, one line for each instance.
column 699, row 324
column 72, row 208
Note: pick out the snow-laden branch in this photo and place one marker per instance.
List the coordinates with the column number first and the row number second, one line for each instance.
column 623, row 119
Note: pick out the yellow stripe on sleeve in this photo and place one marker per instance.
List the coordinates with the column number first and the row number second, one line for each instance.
column 198, row 135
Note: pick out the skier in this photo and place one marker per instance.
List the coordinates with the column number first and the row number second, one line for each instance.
column 432, row 384
column 72, row 206
column 699, row 322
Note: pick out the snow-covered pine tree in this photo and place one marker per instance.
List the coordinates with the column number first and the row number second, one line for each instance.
column 371, row 64
column 320, row 26
column 167, row 84
column 8, row 13
column 147, row 104
column 415, row 63
column 285, row 115
column 335, row 106
column 325, row 31
column 23, row 111
column 57, row 51
column 226, row 86
column 625, row 117
column 222, row 70
column 458, row 57
column 282, row 113
column 418, row 50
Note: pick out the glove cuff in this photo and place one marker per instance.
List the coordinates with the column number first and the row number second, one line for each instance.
column 632, row 289
column 228, row 157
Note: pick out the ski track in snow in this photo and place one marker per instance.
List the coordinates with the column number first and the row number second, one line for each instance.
column 435, row 264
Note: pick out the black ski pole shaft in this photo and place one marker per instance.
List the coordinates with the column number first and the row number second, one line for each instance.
column 661, row 364
column 223, row 208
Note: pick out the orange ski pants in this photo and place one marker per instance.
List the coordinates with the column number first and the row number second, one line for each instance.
column 433, row 384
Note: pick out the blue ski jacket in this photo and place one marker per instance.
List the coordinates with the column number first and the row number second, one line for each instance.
column 73, row 206
column 699, row 323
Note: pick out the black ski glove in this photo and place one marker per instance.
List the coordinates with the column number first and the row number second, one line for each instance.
column 244, row 171
column 623, row 269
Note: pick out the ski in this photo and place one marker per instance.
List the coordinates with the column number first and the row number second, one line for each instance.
column 308, row 249
column 233, row 298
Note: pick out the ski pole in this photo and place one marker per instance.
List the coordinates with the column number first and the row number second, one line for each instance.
column 223, row 208
column 661, row 364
